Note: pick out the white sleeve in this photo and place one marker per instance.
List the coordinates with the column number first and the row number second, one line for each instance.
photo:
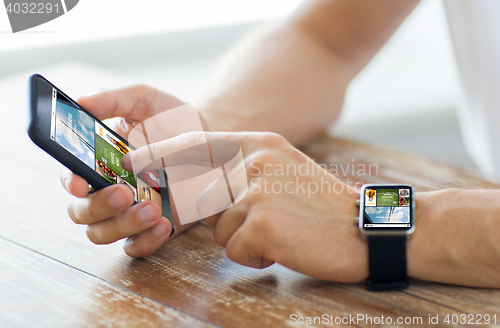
column 475, row 32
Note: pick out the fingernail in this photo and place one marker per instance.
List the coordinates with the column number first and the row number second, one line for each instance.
column 117, row 199
column 146, row 214
column 160, row 230
column 66, row 184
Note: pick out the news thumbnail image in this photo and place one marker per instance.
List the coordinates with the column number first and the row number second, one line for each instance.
column 391, row 214
column 404, row 197
column 108, row 157
column 75, row 132
column 387, row 197
column 152, row 178
column 370, row 197
column 145, row 192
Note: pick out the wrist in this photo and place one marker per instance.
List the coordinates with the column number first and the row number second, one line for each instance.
column 359, row 247
column 424, row 254
column 455, row 239
column 416, row 247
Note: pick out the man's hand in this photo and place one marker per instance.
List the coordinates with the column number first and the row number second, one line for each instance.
column 295, row 213
column 108, row 212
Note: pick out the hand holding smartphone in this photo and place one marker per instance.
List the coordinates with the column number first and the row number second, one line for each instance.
column 86, row 146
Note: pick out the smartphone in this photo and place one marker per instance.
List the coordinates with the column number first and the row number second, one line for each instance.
column 86, row 146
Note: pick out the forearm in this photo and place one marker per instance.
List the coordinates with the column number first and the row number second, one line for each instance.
column 456, row 238
column 291, row 79
column 277, row 79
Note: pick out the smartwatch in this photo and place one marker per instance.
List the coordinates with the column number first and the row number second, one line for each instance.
column 386, row 219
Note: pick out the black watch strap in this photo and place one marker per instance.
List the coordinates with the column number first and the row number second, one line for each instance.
column 387, row 260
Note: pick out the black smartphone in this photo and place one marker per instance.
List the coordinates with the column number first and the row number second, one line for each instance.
column 85, row 145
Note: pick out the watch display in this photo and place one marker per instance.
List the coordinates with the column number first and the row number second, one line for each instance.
column 386, row 208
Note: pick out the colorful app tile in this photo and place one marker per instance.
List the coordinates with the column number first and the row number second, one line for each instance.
column 75, row 132
column 387, row 197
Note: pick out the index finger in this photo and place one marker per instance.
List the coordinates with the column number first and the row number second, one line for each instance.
column 195, row 162
column 209, row 149
column 133, row 103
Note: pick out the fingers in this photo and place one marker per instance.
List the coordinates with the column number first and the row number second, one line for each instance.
column 249, row 243
column 129, row 222
column 100, row 205
column 192, row 148
column 227, row 224
column 148, row 241
column 74, row 184
column 133, row 103
column 212, row 220
column 245, row 250
column 228, row 189
column 187, row 148
column 244, row 236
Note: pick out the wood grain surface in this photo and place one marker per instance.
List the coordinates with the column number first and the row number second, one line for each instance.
column 52, row 276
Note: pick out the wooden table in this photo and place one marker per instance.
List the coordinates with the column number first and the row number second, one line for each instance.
column 52, row 276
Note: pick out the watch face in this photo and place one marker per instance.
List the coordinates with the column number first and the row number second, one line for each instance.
column 386, row 209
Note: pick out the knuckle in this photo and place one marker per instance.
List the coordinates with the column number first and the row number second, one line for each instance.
column 143, row 87
column 219, row 238
column 93, row 213
column 255, row 194
column 258, row 161
column 135, row 249
column 238, row 248
column 94, row 235
column 73, row 212
column 143, row 90
column 145, row 97
column 273, row 139
column 195, row 138
column 263, row 225
column 232, row 253
column 259, row 222
column 267, row 157
column 234, row 217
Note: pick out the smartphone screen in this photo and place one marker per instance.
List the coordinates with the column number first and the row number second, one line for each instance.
column 94, row 145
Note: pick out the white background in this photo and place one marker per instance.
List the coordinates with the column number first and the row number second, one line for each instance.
column 404, row 99
column 105, row 19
